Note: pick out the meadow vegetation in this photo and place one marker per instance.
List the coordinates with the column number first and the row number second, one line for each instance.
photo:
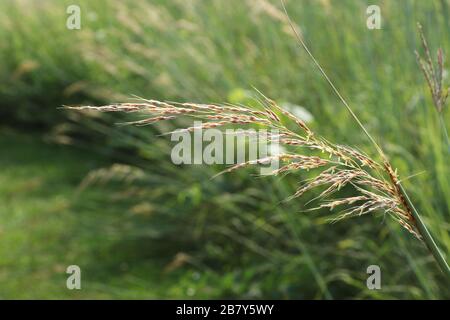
column 79, row 190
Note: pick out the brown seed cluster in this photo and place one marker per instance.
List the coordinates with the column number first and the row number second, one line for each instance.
column 433, row 74
column 375, row 184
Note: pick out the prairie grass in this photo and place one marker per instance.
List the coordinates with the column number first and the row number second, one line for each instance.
column 434, row 76
column 376, row 186
column 386, row 195
column 338, row 165
column 214, row 50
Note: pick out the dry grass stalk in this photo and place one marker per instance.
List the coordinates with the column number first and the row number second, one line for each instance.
column 337, row 166
column 377, row 184
column 402, row 195
column 434, row 76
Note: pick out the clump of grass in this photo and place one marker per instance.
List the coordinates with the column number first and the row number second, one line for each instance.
column 434, row 77
column 376, row 185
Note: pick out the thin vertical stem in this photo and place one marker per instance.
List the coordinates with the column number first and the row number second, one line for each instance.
column 427, row 238
column 444, row 130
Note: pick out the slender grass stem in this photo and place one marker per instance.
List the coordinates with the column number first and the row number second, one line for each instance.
column 422, row 229
column 444, row 130
column 427, row 238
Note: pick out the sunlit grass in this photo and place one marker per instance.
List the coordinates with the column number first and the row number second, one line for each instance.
column 209, row 51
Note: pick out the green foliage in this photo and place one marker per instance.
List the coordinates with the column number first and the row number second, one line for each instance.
column 187, row 235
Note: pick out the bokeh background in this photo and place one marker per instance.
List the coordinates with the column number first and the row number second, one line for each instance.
column 77, row 189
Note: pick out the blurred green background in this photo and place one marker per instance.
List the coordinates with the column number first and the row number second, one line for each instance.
column 77, row 189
